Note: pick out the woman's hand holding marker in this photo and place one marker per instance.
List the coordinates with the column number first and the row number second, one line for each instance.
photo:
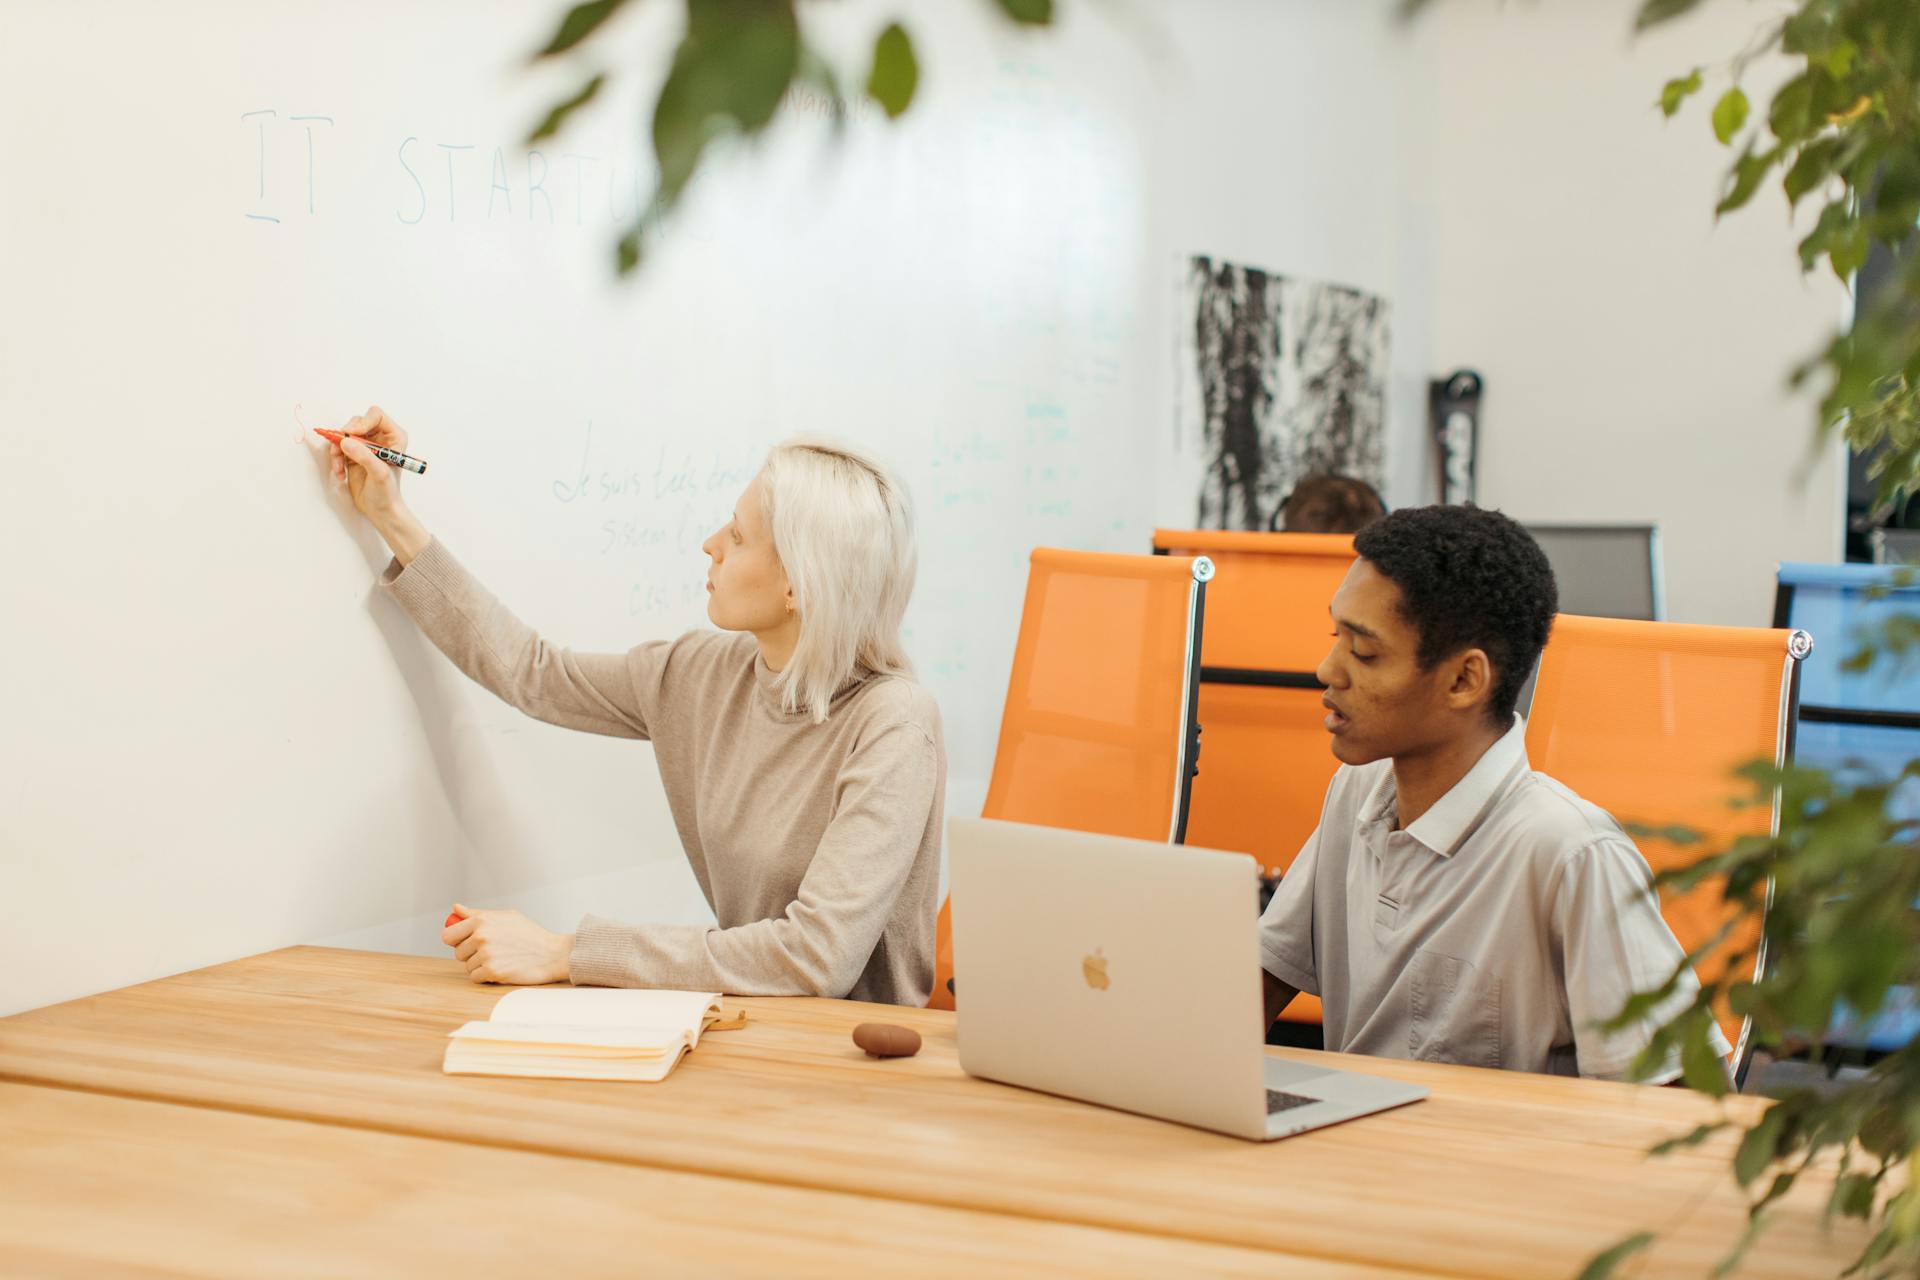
column 374, row 484
column 505, row 946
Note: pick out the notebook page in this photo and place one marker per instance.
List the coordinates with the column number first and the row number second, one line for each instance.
column 610, row 1007
column 508, row 1037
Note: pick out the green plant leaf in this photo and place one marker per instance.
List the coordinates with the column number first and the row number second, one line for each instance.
column 1693, row 1139
column 1034, row 13
column 1641, row 1003
column 1654, row 12
column 1760, row 1145
column 1791, row 114
column 728, row 75
column 1877, row 1248
column 1833, row 220
column 1782, row 1183
column 1896, row 202
column 1677, row 91
column 895, row 71
column 1859, row 159
column 561, row 110
column 1602, row 1265
column 1672, row 835
column 1748, row 172
column 1755, row 1224
column 1903, row 1214
column 1853, row 1195
column 1884, row 1133
column 1848, row 253
column 1729, row 114
column 1809, row 32
column 1703, row 1069
column 580, row 22
column 1812, row 167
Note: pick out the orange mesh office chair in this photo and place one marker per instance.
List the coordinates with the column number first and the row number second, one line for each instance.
column 1648, row 720
column 1265, row 759
column 1098, row 729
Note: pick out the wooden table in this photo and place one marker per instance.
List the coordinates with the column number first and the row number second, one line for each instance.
column 828, row 1157
column 92, row 1183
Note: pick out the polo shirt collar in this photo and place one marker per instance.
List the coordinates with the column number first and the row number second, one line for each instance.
column 1445, row 827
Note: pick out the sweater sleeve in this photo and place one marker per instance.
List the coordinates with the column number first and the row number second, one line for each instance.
column 611, row 693
column 821, row 943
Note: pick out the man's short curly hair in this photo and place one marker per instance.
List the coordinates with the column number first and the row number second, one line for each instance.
column 1468, row 578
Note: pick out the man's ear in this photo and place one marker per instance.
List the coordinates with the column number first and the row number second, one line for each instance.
column 1473, row 680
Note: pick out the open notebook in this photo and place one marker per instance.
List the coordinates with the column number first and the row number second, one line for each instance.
column 596, row 1033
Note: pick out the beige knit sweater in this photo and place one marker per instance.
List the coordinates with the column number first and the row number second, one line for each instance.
column 817, row 845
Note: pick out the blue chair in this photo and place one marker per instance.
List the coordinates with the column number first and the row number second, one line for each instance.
column 1858, row 725
column 1871, row 717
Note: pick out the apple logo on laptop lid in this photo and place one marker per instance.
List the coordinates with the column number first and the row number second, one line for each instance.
column 1094, row 969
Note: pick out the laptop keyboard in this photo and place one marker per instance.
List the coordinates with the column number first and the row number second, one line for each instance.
column 1278, row 1101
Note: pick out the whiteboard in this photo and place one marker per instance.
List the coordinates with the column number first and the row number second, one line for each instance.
column 237, row 222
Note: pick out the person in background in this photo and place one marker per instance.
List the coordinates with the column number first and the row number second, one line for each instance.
column 803, row 763
column 1329, row 504
column 1453, row 905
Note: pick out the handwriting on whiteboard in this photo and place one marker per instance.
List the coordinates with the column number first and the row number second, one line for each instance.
column 431, row 180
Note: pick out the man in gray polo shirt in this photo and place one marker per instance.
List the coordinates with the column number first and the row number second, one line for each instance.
column 1453, row 905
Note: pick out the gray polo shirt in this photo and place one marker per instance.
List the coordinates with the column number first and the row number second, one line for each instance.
column 1493, row 931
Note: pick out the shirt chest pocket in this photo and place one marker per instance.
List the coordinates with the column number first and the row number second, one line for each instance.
column 1455, row 1012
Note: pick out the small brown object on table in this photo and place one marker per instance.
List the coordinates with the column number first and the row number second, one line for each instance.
column 885, row 1040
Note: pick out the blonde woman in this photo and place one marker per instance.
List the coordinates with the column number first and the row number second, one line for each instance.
column 803, row 763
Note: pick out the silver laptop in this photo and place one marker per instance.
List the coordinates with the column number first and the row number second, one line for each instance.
column 1127, row 973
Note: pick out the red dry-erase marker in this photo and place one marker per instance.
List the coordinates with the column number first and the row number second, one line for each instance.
column 380, row 451
column 451, row 917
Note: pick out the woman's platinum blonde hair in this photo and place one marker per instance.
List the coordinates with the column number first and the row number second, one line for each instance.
column 843, row 529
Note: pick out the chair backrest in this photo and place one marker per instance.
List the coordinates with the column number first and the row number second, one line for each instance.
column 1649, row 720
column 1606, row 570
column 1267, row 610
column 1099, row 731
column 1265, row 760
column 1845, row 605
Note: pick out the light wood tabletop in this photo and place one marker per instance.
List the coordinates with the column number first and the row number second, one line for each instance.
column 92, row 1184
column 1498, row 1173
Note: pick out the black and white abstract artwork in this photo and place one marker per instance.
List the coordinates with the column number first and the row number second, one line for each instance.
column 1280, row 379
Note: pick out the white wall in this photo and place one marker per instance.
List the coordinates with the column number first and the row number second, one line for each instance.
column 1635, row 352
column 1280, row 143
